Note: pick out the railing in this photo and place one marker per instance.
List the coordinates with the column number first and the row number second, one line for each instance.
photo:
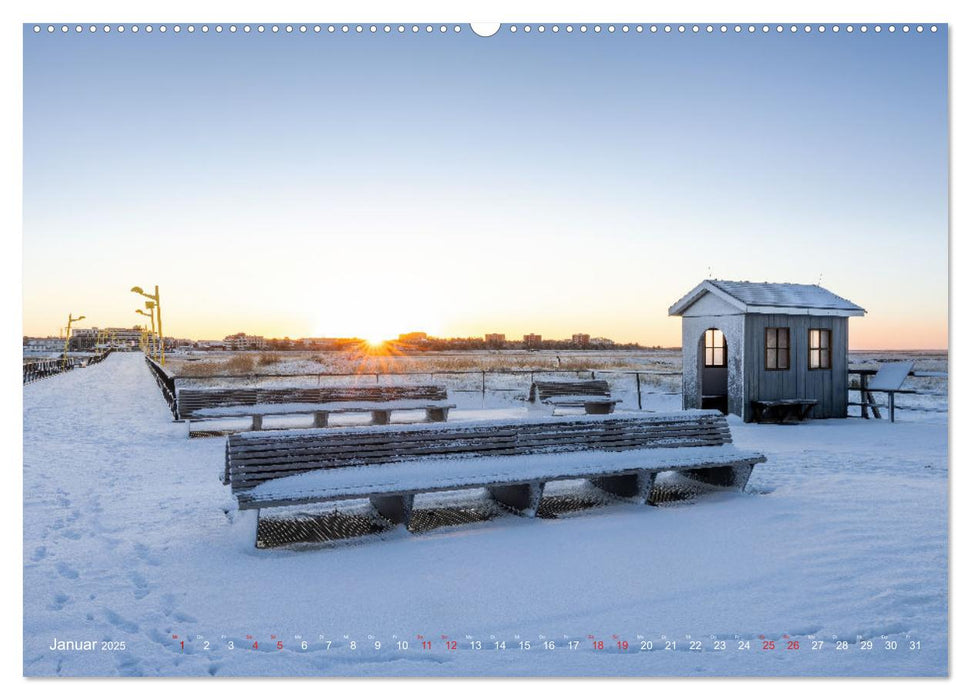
column 41, row 369
column 859, row 382
column 166, row 383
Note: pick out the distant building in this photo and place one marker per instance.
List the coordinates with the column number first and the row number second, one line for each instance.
column 210, row 344
column 320, row 343
column 496, row 340
column 532, row 340
column 43, row 344
column 122, row 337
column 601, row 342
column 84, row 333
column 749, row 341
column 241, row 341
column 413, row 337
column 581, row 340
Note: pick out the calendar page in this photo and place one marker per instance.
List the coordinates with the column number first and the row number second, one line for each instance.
column 526, row 349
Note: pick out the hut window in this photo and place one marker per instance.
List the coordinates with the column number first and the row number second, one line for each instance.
column 776, row 348
column 820, row 348
column 716, row 348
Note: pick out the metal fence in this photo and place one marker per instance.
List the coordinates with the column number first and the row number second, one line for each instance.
column 41, row 369
column 166, row 384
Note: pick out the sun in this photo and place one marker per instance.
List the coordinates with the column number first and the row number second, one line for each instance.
column 375, row 343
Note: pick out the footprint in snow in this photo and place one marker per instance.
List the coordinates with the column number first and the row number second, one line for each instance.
column 183, row 617
column 145, row 554
column 120, row 622
column 59, row 601
column 141, row 585
column 66, row 571
column 39, row 554
column 128, row 665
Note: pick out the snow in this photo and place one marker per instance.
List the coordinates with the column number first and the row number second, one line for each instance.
column 330, row 406
column 474, row 420
column 753, row 296
column 130, row 536
column 891, row 376
column 439, row 474
column 810, row 296
column 579, row 398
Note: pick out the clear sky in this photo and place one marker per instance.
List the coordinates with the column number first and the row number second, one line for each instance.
column 368, row 185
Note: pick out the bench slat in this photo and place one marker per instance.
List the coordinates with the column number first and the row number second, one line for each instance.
column 543, row 390
column 473, row 429
column 247, row 472
column 395, row 443
column 335, row 456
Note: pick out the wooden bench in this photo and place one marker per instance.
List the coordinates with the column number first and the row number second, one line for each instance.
column 594, row 405
column 389, row 465
column 198, row 404
column 782, row 410
column 435, row 412
column 591, row 395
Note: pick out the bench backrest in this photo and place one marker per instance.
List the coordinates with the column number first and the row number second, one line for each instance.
column 544, row 390
column 252, row 458
column 191, row 400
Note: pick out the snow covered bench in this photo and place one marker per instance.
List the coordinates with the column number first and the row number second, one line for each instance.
column 435, row 412
column 513, row 460
column 201, row 404
column 595, row 405
column 593, row 396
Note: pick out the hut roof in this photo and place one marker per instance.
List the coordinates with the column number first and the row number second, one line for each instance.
column 771, row 297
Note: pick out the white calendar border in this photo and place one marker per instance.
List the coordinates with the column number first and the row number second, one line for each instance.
column 496, row 10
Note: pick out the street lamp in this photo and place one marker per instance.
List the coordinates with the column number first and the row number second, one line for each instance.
column 67, row 338
column 151, row 343
column 158, row 310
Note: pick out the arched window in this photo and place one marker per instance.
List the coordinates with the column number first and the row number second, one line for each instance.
column 716, row 348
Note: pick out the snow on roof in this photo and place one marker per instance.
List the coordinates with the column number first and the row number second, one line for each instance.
column 770, row 297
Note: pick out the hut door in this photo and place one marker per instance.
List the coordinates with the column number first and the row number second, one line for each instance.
column 714, row 370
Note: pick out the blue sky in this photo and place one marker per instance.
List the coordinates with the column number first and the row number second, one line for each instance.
column 369, row 185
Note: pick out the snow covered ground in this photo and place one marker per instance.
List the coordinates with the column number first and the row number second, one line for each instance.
column 129, row 537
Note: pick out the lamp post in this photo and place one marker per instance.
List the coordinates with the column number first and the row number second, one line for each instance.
column 158, row 312
column 151, row 338
column 67, row 338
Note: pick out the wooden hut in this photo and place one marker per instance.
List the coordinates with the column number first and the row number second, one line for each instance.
column 746, row 344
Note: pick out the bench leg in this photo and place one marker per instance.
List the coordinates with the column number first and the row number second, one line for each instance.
column 729, row 477
column 320, row 419
column 436, row 415
column 397, row 509
column 256, row 529
column 257, row 423
column 636, row 487
column 873, row 405
column 598, row 409
column 522, row 498
column 380, row 417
